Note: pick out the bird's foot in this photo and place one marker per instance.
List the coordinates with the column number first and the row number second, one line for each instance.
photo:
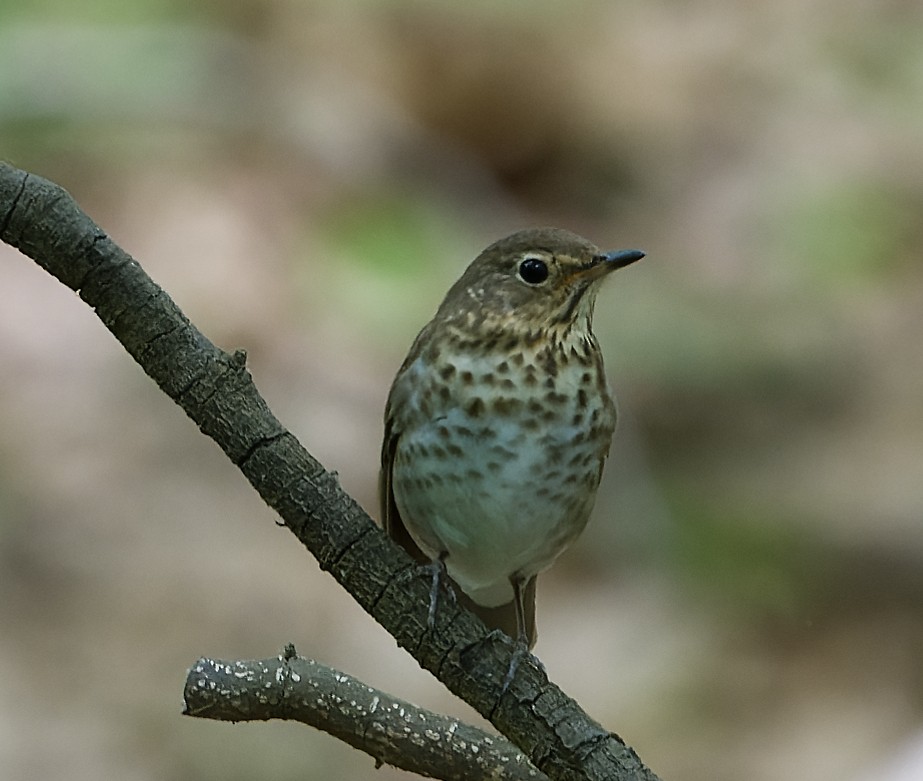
column 439, row 578
column 520, row 654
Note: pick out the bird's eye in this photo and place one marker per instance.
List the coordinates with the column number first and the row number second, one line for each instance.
column 533, row 270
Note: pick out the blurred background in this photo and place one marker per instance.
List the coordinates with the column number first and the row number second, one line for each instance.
column 307, row 179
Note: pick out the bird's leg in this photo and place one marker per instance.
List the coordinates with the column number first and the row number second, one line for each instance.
column 440, row 575
column 521, row 643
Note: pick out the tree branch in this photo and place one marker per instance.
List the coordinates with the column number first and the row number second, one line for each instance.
column 389, row 730
column 215, row 389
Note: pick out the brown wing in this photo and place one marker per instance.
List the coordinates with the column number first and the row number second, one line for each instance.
column 390, row 515
column 502, row 617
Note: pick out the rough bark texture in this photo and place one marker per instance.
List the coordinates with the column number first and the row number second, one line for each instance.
column 390, row 730
column 215, row 389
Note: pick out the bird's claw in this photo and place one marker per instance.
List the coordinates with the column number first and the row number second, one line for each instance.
column 439, row 576
column 520, row 653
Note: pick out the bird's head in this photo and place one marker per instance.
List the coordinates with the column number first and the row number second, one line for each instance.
column 531, row 281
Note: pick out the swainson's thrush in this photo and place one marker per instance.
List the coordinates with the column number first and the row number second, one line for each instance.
column 499, row 421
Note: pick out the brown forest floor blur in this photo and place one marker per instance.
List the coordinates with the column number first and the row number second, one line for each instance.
column 306, row 179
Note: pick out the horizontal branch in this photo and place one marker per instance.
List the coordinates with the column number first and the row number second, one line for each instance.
column 390, row 730
column 215, row 389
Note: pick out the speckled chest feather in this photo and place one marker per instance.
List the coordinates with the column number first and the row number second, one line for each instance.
column 505, row 444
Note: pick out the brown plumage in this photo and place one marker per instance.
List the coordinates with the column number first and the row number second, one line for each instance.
column 499, row 422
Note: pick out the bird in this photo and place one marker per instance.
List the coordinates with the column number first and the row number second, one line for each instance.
column 498, row 424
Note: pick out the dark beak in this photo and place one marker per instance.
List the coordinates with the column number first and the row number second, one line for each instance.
column 621, row 258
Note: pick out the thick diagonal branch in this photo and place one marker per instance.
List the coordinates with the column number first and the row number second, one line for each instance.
column 216, row 391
